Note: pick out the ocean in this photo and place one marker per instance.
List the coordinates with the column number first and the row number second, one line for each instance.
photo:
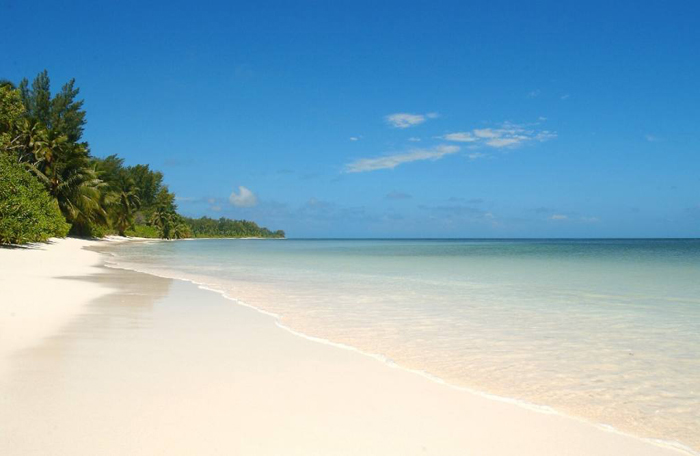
column 604, row 330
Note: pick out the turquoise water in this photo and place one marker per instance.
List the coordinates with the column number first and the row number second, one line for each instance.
column 605, row 330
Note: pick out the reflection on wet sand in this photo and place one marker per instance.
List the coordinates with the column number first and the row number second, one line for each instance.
column 128, row 306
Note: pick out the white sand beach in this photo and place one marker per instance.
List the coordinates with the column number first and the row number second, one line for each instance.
column 38, row 295
column 98, row 361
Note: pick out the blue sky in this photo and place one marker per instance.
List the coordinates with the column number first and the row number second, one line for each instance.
column 409, row 119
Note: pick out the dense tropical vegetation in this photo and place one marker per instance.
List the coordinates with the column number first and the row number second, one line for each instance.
column 27, row 211
column 223, row 227
column 51, row 184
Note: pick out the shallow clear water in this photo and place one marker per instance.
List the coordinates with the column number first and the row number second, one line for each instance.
column 607, row 330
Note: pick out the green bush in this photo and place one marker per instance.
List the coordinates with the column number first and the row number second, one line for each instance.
column 143, row 231
column 27, row 211
column 94, row 230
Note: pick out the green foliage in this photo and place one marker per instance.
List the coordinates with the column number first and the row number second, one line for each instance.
column 170, row 224
column 48, row 142
column 62, row 114
column 11, row 112
column 122, row 201
column 208, row 227
column 27, row 211
column 41, row 132
column 70, row 179
column 144, row 231
column 147, row 182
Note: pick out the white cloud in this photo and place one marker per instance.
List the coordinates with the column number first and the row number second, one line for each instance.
column 486, row 133
column 414, row 139
column 590, row 219
column 244, row 198
column 407, row 120
column 355, row 138
column 559, row 217
column 476, row 155
column 534, row 93
column 507, row 135
column 504, row 142
column 461, row 137
column 392, row 161
column 651, row 138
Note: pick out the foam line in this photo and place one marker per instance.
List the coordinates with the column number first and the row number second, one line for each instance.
column 677, row 446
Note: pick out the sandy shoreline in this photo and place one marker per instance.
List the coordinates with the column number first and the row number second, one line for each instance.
column 105, row 361
column 38, row 296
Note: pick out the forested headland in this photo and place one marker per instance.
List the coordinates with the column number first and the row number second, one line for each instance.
column 51, row 184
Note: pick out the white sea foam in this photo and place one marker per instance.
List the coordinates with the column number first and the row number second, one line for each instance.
column 293, row 292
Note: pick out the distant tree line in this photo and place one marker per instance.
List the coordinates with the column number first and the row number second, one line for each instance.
column 223, row 227
column 51, row 185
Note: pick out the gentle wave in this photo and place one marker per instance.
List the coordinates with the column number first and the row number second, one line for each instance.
column 277, row 319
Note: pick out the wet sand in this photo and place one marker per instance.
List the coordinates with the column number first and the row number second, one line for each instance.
column 154, row 366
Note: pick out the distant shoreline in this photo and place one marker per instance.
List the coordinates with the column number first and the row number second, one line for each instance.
column 243, row 238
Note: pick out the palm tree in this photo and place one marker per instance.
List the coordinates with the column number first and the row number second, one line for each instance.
column 164, row 216
column 162, row 219
column 180, row 230
column 127, row 202
column 65, row 171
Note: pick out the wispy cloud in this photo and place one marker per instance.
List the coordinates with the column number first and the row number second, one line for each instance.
column 214, row 203
column 407, row 120
column 651, row 138
column 326, row 211
column 355, row 138
column 534, row 93
column 396, row 195
column 456, row 215
column 693, row 211
column 461, row 137
column 476, row 155
column 507, row 135
column 459, row 199
column 564, row 97
column 244, row 198
column 573, row 218
column 186, row 199
column 392, row 161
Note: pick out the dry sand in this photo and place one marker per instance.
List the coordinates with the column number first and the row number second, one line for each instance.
column 122, row 363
